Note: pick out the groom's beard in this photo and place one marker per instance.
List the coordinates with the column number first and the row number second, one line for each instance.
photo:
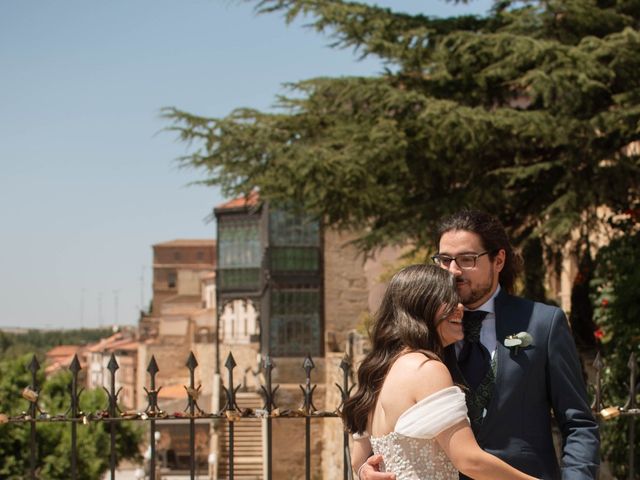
column 473, row 293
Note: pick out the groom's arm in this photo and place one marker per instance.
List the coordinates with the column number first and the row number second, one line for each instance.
column 581, row 440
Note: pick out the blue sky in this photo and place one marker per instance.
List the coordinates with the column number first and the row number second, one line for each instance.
column 88, row 180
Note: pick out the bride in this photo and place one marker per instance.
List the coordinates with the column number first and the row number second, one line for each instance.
column 406, row 407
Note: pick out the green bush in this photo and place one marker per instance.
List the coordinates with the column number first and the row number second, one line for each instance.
column 616, row 298
column 54, row 439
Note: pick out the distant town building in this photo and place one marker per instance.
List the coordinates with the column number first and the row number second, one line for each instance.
column 124, row 348
column 60, row 357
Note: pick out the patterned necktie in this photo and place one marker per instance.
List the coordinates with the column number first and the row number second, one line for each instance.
column 474, row 359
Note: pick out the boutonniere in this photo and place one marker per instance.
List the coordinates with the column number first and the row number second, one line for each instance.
column 517, row 341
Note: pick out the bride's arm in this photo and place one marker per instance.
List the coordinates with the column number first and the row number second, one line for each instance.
column 466, row 455
column 360, row 452
column 458, row 441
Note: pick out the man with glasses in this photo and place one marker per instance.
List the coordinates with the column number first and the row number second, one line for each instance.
column 518, row 360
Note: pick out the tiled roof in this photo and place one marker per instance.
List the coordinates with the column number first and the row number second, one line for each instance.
column 243, row 201
column 117, row 341
column 188, row 242
column 63, row 350
column 60, row 357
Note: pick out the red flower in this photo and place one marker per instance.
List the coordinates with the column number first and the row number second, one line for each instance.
column 599, row 333
column 604, row 302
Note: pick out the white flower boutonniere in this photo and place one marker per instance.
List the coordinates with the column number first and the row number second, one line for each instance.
column 517, row 341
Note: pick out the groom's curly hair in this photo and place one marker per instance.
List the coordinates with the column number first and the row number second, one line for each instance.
column 493, row 237
column 408, row 317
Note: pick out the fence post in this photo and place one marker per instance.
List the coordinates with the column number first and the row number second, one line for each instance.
column 112, row 366
column 192, row 363
column 75, row 369
column 269, row 406
column 230, row 409
column 152, row 410
column 34, row 366
column 597, row 400
column 345, row 392
column 308, row 407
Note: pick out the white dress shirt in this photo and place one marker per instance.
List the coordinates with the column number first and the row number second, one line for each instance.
column 488, row 329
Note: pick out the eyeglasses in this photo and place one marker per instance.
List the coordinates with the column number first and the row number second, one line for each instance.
column 466, row 261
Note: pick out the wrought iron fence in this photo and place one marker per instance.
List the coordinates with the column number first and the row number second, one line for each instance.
column 231, row 412
column 152, row 414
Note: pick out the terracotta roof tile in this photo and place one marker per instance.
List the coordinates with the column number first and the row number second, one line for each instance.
column 243, row 201
column 63, row 350
column 188, row 242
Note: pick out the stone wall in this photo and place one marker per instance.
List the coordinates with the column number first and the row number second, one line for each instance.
column 333, row 431
column 345, row 288
column 289, row 436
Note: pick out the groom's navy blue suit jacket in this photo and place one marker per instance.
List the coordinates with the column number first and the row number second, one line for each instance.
column 531, row 384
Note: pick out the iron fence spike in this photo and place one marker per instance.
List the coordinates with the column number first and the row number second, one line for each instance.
column 112, row 366
column 153, row 366
column 597, row 363
column 308, row 363
column 345, row 364
column 268, row 362
column 230, row 363
column 192, row 363
column 34, row 366
column 75, row 365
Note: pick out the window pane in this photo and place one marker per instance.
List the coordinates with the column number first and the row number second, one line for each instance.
column 295, row 322
column 288, row 229
column 241, row 278
column 295, row 259
column 239, row 244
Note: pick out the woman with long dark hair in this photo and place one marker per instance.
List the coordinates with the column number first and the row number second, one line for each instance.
column 406, row 406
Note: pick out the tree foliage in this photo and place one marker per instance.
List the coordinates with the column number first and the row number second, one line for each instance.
column 617, row 299
column 527, row 112
column 38, row 342
column 54, row 439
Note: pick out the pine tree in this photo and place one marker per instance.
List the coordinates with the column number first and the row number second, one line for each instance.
column 529, row 112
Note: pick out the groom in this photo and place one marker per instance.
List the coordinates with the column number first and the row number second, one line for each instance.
column 518, row 360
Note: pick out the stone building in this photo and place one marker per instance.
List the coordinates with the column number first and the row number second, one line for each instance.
column 182, row 320
column 124, row 348
column 311, row 289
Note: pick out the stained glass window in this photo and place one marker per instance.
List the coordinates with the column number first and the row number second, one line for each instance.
column 290, row 229
column 295, row 322
column 239, row 244
column 295, row 259
column 239, row 254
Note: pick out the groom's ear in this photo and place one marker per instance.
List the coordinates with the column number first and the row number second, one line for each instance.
column 499, row 260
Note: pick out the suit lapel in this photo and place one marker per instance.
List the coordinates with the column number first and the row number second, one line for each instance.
column 451, row 361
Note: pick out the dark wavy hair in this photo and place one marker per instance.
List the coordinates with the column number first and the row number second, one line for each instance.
column 493, row 237
column 407, row 318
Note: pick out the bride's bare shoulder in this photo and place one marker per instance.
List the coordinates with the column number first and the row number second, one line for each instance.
column 420, row 373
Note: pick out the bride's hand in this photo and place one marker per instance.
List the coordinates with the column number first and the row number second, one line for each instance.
column 370, row 470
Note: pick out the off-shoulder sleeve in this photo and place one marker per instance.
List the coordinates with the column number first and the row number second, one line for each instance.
column 433, row 414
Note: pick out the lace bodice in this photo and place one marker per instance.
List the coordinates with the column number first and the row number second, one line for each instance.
column 411, row 450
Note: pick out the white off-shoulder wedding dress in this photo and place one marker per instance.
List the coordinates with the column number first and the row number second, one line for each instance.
column 411, row 450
